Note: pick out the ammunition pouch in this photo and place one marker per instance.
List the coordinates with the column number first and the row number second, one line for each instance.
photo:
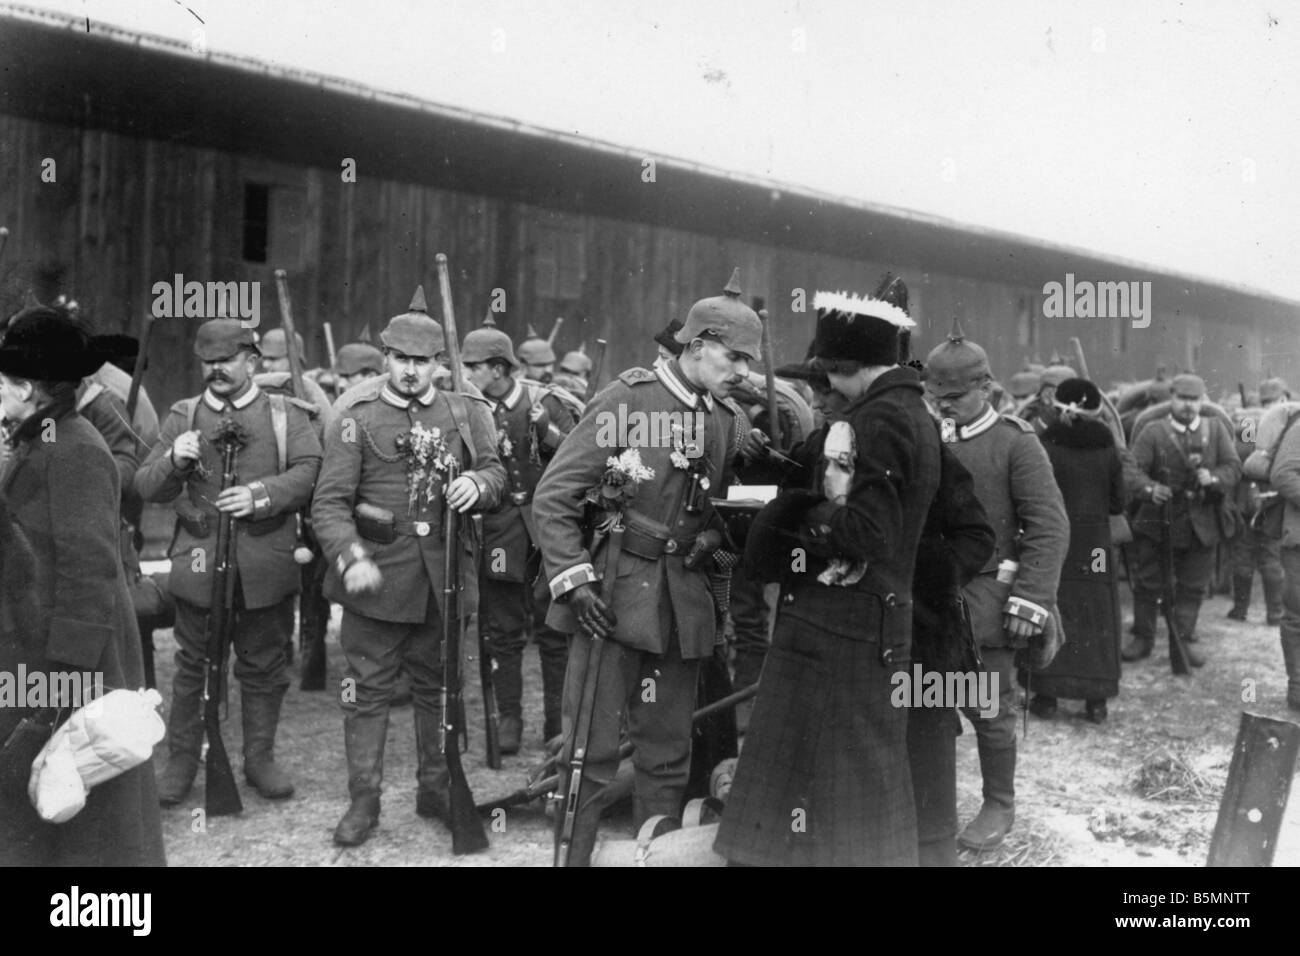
column 375, row 524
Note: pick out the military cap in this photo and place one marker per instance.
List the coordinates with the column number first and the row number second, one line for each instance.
column 857, row 328
column 957, row 363
column 1024, row 384
column 483, row 344
column 1055, row 374
column 535, row 350
column 577, row 363
column 413, row 332
column 667, row 337
column 727, row 319
column 273, row 344
column 220, row 339
column 1187, row 383
column 1273, row 390
column 358, row 357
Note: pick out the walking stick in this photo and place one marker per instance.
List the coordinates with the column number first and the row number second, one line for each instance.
column 572, row 795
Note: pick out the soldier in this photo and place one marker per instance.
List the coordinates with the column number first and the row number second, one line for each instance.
column 530, row 421
column 1038, row 411
column 661, row 622
column 313, row 608
column 1012, row 600
column 1250, row 549
column 397, row 450
column 575, row 371
column 1188, row 460
column 276, row 480
column 357, row 362
column 824, row 777
column 537, row 356
column 1023, row 386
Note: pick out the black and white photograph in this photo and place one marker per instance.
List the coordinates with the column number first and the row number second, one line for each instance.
column 781, row 433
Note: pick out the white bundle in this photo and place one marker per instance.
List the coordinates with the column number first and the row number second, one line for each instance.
column 107, row 737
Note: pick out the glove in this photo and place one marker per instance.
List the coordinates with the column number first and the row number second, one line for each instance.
column 591, row 612
column 706, row 542
column 753, row 447
column 540, row 418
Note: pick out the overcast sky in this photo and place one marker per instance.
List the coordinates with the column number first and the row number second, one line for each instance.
column 1163, row 132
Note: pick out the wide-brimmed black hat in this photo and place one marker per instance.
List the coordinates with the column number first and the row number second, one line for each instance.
column 47, row 345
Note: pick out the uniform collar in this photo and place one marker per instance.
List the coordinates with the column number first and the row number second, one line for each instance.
column 670, row 374
column 1180, row 428
column 218, row 404
column 401, row 401
column 981, row 424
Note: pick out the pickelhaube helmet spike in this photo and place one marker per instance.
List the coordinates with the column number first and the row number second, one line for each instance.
column 488, row 321
column 732, row 287
column 418, row 304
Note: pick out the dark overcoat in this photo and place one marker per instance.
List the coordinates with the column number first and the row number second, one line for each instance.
column 823, row 778
column 1088, row 470
column 63, row 490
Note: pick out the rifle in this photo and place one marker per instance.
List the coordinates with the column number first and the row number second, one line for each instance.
column 290, row 338
column 555, row 330
column 572, row 794
column 467, row 834
column 1178, row 659
column 596, row 366
column 137, row 373
column 329, row 345
column 769, row 376
column 490, row 721
column 222, row 797
column 542, row 781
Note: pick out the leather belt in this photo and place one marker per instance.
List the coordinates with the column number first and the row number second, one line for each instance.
column 645, row 545
column 415, row 529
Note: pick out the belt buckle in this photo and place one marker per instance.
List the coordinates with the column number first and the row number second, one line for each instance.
column 519, row 497
column 670, row 546
column 422, row 529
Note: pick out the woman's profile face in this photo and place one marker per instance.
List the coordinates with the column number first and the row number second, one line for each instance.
column 13, row 398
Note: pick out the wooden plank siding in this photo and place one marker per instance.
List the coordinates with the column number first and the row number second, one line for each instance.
column 126, row 212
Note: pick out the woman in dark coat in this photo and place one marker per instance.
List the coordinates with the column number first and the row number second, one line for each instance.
column 61, row 486
column 1089, row 472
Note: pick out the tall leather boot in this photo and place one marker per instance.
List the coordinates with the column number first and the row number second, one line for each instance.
column 185, row 738
column 1291, row 655
column 996, row 816
column 1186, row 610
column 555, row 660
column 261, row 714
column 363, row 739
column 433, row 796
column 1145, row 609
column 1241, row 585
column 508, row 682
column 1274, row 588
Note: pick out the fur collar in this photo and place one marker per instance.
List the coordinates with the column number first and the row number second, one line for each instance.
column 1084, row 433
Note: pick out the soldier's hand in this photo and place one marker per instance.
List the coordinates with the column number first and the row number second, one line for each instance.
column 462, row 493
column 1161, row 493
column 362, row 576
column 592, row 613
column 540, row 418
column 1020, row 629
column 1204, row 477
column 236, row 500
column 706, row 542
column 185, row 449
column 754, row 445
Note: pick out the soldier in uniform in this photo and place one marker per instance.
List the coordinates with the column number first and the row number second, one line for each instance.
column 575, row 372
column 661, row 620
column 397, row 450
column 1250, row 549
column 537, row 357
column 185, row 463
column 1187, row 459
column 824, row 775
column 1012, row 601
column 530, row 422
column 313, row 608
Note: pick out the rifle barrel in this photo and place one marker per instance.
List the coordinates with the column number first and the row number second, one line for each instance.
column 290, row 335
column 222, row 793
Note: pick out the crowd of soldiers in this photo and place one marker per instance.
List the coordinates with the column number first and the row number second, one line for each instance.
column 925, row 514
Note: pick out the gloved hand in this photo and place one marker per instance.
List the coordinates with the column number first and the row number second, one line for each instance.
column 706, row 542
column 754, row 445
column 540, row 418
column 591, row 612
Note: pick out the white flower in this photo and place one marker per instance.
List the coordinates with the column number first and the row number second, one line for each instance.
column 679, row 460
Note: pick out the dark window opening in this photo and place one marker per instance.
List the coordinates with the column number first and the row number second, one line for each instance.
column 257, row 203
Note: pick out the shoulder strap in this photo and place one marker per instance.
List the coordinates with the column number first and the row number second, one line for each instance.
column 89, row 395
column 191, row 406
column 280, row 427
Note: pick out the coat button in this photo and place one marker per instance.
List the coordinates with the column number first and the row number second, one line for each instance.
column 670, row 546
column 891, row 600
column 788, row 598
